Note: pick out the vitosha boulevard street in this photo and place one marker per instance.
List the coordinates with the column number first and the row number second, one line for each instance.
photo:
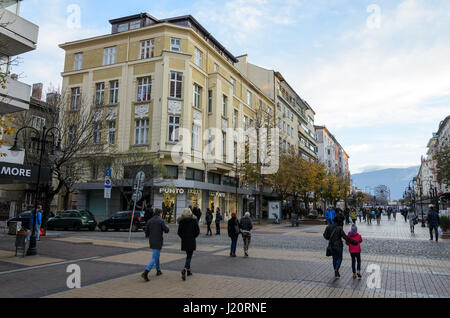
column 224, row 157
column 284, row 262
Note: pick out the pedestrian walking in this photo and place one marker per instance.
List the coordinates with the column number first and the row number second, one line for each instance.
column 37, row 224
column 405, row 215
column 334, row 234
column 355, row 251
column 378, row 214
column 394, row 214
column 218, row 220
column 246, row 227
column 412, row 217
column 209, row 218
column 188, row 231
column 197, row 212
column 330, row 214
column 353, row 215
column 154, row 230
column 234, row 229
column 361, row 215
column 433, row 222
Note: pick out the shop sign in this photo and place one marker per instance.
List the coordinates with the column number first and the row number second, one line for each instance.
column 217, row 194
column 194, row 191
column 12, row 173
column 171, row 191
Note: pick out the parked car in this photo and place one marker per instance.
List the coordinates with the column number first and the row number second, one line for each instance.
column 73, row 219
column 121, row 221
column 25, row 218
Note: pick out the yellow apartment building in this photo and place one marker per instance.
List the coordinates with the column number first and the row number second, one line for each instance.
column 149, row 84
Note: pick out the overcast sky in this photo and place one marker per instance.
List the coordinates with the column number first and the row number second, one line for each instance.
column 377, row 73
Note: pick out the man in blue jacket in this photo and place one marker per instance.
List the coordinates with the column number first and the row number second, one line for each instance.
column 330, row 215
column 433, row 222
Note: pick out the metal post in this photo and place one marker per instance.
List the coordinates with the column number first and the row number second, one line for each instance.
column 32, row 249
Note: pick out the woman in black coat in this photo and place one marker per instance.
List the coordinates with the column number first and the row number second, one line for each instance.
column 188, row 231
column 234, row 229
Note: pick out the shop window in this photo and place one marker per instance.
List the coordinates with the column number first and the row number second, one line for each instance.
column 229, row 181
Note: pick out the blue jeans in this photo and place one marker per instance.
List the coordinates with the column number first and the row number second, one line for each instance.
column 154, row 261
column 234, row 240
column 37, row 229
column 336, row 252
column 329, row 221
column 436, row 229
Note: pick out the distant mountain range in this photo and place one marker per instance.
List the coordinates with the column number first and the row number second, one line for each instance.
column 396, row 179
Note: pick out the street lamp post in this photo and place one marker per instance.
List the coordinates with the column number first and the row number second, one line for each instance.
column 32, row 249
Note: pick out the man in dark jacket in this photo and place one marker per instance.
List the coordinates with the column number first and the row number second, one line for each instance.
column 433, row 222
column 209, row 218
column 154, row 230
column 246, row 227
column 188, row 231
column 218, row 220
column 198, row 213
column 334, row 234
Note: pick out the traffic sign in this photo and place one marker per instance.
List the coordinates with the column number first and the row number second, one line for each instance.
column 108, row 172
column 139, row 196
column 108, row 184
column 107, row 193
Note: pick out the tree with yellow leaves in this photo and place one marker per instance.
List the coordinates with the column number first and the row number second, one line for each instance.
column 5, row 129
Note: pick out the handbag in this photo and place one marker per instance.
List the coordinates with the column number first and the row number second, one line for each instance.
column 328, row 254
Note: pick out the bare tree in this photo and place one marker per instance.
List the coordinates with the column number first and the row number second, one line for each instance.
column 72, row 128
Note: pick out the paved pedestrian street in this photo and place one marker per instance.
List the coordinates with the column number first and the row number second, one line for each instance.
column 284, row 262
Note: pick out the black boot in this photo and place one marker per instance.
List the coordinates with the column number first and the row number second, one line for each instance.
column 183, row 274
column 158, row 273
column 189, row 273
column 145, row 275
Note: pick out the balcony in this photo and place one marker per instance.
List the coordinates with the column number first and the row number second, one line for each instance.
column 15, row 97
column 17, row 35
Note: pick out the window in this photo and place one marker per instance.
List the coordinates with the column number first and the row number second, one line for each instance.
column 235, row 119
column 112, row 132
column 310, row 120
column 245, row 123
column 233, row 83
column 224, row 143
column 144, row 89
column 97, row 134
column 75, row 99
column 197, row 94
column 224, row 105
column 216, row 68
column 195, row 175
column 249, row 98
column 78, row 61
column 113, row 92
column 94, row 176
column 172, row 172
column 122, row 27
column 109, row 56
column 210, row 101
column 175, row 45
column 141, row 129
column 198, row 58
column 99, row 94
column 196, row 137
column 214, row 178
column 71, row 136
column 135, row 24
column 147, row 49
column 176, row 84
column 37, row 122
column 174, row 128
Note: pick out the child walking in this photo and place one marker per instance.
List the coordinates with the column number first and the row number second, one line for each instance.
column 355, row 251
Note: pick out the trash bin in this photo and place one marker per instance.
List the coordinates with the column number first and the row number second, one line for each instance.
column 13, row 227
column 21, row 241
